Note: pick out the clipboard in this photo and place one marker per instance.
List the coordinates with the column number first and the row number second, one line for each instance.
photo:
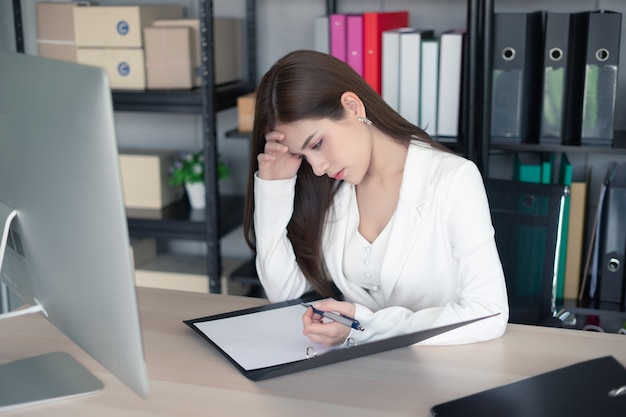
column 234, row 335
column 596, row 387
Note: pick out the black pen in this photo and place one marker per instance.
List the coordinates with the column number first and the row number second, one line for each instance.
column 339, row 318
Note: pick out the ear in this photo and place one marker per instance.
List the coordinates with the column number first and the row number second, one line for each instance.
column 352, row 104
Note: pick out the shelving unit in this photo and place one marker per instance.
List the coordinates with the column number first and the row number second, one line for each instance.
column 222, row 213
column 584, row 307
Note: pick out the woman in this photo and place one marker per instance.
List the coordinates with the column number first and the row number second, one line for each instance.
column 345, row 192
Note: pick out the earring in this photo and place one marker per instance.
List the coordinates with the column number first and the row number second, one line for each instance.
column 364, row 120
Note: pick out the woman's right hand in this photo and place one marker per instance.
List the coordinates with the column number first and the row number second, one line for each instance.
column 276, row 163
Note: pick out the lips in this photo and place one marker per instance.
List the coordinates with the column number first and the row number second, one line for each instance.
column 339, row 175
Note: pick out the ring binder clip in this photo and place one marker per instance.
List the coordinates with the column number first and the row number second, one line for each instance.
column 618, row 391
column 350, row 342
column 310, row 352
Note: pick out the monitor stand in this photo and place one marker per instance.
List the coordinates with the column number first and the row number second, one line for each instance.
column 47, row 377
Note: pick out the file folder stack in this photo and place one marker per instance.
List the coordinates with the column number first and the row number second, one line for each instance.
column 516, row 77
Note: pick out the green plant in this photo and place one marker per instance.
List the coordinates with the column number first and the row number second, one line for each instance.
column 189, row 169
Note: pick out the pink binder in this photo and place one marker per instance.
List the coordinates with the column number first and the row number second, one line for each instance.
column 338, row 35
column 354, row 42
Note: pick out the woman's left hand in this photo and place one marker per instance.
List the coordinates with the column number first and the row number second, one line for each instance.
column 327, row 332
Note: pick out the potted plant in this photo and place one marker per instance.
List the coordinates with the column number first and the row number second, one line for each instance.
column 188, row 170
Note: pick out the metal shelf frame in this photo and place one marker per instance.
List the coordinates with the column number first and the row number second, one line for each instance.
column 222, row 213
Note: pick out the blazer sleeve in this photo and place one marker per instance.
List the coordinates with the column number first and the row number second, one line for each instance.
column 276, row 263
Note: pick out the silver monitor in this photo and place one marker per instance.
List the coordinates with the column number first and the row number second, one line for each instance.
column 64, row 244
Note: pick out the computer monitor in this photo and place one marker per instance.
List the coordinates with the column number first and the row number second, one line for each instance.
column 64, row 244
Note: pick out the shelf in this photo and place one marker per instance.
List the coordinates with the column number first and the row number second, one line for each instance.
column 178, row 101
column 619, row 148
column 576, row 307
column 236, row 134
column 179, row 221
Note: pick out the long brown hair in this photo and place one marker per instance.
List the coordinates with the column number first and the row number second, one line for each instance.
column 308, row 85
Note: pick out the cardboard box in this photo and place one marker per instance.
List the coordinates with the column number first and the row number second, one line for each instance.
column 145, row 180
column 125, row 67
column 227, row 45
column 168, row 57
column 118, row 26
column 55, row 30
column 245, row 112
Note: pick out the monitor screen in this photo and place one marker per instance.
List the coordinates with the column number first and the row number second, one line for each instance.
column 63, row 228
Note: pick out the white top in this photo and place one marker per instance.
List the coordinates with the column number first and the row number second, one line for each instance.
column 363, row 260
column 441, row 265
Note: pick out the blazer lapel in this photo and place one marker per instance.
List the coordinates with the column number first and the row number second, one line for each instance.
column 409, row 217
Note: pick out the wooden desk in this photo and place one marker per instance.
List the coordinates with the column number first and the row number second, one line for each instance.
column 189, row 378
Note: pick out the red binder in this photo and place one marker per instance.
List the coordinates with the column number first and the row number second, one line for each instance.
column 374, row 23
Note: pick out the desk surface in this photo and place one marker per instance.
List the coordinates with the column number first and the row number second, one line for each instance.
column 188, row 377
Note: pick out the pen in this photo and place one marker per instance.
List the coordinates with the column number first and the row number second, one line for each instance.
column 339, row 318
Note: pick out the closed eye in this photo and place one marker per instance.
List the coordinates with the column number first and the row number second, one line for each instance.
column 318, row 144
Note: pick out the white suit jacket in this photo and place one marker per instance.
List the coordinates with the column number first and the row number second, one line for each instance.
column 441, row 266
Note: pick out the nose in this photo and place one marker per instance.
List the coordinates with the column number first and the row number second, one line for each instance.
column 318, row 165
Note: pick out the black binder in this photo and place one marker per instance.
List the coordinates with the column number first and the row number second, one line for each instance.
column 600, row 82
column 612, row 264
column 516, row 77
column 308, row 359
column 563, row 74
column 592, row 388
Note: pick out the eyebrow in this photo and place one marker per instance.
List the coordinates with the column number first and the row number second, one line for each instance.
column 309, row 139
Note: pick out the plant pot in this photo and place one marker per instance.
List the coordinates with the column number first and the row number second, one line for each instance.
column 196, row 193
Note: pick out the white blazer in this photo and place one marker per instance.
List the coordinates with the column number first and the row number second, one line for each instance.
column 441, row 266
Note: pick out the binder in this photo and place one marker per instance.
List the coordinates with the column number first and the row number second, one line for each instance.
column 429, row 82
column 575, row 236
column 401, row 70
column 600, row 79
column 354, row 42
column 244, row 342
column 451, row 59
column 516, row 77
column 565, row 178
column 590, row 388
column 410, row 73
column 534, row 168
column 589, row 283
column 338, row 36
column 613, row 242
column 390, row 66
column 563, row 71
column 374, row 24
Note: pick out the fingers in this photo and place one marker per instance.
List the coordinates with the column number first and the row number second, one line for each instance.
column 274, row 136
column 327, row 332
column 275, row 162
column 341, row 307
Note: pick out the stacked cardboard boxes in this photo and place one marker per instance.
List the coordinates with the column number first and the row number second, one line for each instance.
column 55, row 30
column 173, row 52
column 111, row 37
column 140, row 47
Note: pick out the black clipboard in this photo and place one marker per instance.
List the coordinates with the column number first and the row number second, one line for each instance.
column 595, row 387
column 314, row 361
